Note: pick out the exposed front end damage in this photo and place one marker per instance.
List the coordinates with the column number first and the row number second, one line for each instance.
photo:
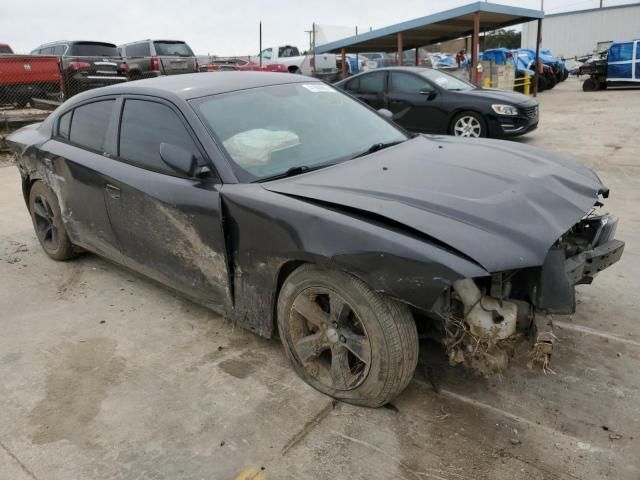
column 485, row 317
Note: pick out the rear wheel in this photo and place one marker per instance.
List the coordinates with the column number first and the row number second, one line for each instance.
column 468, row 124
column 47, row 221
column 344, row 339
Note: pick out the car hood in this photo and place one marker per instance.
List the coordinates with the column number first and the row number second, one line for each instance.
column 502, row 204
column 512, row 98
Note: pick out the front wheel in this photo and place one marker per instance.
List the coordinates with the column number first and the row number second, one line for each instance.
column 468, row 124
column 590, row 85
column 344, row 339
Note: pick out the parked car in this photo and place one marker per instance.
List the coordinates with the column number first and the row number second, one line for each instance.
column 562, row 73
column 619, row 66
column 152, row 58
column 296, row 63
column 238, row 64
column 86, row 64
column 277, row 200
column 431, row 101
column 23, row 77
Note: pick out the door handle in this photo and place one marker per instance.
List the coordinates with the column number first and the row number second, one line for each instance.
column 114, row 192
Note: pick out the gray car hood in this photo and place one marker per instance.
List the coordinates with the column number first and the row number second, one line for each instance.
column 502, row 204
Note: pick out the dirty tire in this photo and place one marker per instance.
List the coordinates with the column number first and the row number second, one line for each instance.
column 590, row 85
column 387, row 326
column 47, row 222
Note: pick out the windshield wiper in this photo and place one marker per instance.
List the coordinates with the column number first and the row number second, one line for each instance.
column 377, row 147
column 297, row 170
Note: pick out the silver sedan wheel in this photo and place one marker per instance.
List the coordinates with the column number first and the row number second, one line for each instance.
column 467, row 126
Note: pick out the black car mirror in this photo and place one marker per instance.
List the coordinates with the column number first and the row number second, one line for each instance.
column 179, row 158
column 427, row 91
column 386, row 113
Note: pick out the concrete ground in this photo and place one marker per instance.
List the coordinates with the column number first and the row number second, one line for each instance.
column 104, row 374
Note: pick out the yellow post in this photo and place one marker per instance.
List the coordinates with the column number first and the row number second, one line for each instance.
column 527, row 84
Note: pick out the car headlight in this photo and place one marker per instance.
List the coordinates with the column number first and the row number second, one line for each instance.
column 505, row 109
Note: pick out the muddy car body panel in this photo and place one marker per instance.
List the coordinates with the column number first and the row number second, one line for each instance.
column 411, row 221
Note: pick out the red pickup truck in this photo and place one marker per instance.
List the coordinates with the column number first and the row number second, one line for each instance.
column 23, row 77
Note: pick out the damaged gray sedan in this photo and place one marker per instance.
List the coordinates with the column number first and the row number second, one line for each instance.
column 288, row 206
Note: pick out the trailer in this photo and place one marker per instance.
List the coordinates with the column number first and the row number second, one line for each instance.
column 619, row 66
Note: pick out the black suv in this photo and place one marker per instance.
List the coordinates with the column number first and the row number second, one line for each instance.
column 86, row 64
column 152, row 58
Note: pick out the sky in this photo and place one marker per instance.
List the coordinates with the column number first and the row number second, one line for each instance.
column 220, row 27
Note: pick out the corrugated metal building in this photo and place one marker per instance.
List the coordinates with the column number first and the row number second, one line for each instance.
column 581, row 32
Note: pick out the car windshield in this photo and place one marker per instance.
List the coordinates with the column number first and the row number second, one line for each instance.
column 173, row 49
column 89, row 49
column 446, row 81
column 271, row 130
column 5, row 49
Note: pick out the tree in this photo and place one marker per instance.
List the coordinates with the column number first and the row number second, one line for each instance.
column 501, row 39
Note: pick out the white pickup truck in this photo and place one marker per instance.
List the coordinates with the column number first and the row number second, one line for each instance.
column 319, row 65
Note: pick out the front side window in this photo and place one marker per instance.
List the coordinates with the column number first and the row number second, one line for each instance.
column 267, row 131
column 372, row 83
column 266, row 54
column 621, row 52
column 90, row 123
column 406, row 83
column 145, row 125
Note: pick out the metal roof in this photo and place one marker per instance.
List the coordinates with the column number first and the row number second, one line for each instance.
column 591, row 10
column 439, row 27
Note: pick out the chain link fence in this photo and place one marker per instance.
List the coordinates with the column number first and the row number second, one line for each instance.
column 25, row 77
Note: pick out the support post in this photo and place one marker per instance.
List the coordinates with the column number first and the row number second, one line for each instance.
column 417, row 56
column 537, row 67
column 400, row 51
column 344, row 63
column 260, row 45
column 475, row 48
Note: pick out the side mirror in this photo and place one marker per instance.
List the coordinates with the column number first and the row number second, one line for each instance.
column 386, row 113
column 180, row 159
column 427, row 91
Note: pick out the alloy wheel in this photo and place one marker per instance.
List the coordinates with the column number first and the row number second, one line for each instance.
column 44, row 219
column 467, row 126
column 328, row 339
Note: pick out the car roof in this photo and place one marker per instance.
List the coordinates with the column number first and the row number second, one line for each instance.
column 75, row 41
column 151, row 40
column 194, row 85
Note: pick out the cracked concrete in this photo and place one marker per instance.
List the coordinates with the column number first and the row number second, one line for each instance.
column 104, row 374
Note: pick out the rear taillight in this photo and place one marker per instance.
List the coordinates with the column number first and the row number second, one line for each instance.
column 155, row 64
column 75, row 66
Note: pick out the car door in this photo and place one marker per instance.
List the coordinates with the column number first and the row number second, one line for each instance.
column 75, row 158
column 169, row 226
column 416, row 103
column 369, row 88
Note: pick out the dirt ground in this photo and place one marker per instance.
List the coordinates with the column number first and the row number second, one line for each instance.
column 104, row 374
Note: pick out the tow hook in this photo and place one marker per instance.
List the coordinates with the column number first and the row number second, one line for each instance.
column 543, row 341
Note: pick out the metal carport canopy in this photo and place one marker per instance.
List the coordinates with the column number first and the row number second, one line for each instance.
column 439, row 27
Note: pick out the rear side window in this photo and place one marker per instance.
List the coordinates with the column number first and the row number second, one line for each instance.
column 288, row 51
column 173, row 49
column 47, row 51
column 59, row 49
column 64, row 125
column 5, row 49
column 93, row 49
column 372, row 83
column 139, row 50
column 144, row 126
column 90, row 123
